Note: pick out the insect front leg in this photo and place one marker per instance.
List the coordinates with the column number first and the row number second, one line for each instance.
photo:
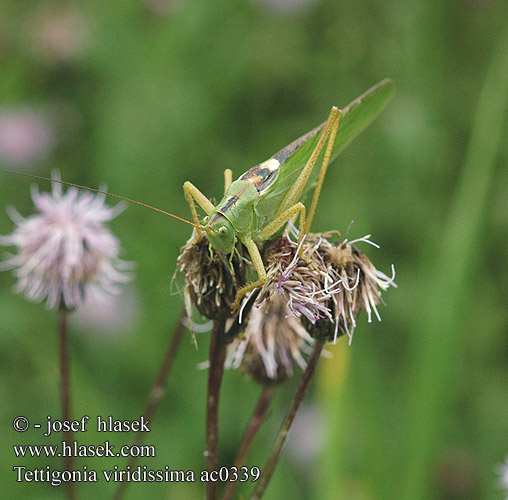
column 266, row 232
column 257, row 262
column 228, row 179
column 192, row 193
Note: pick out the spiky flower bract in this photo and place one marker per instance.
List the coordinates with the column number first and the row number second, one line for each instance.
column 314, row 289
column 274, row 338
column 65, row 253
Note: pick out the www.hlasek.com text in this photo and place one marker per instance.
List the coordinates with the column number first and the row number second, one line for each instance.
column 74, row 449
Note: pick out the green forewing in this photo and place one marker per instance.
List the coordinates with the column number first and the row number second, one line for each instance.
column 354, row 119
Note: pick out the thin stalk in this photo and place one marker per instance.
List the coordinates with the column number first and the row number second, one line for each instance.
column 271, row 463
column 65, row 392
column 256, row 420
column 156, row 394
column 216, row 357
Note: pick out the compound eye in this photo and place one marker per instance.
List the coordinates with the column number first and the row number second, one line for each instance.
column 206, row 219
column 223, row 230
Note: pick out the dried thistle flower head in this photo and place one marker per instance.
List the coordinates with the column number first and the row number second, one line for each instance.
column 65, row 253
column 271, row 345
column 211, row 278
column 361, row 285
column 274, row 339
column 297, row 280
column 327, row 287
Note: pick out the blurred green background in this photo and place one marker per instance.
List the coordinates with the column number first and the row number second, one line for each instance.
column 146, row 95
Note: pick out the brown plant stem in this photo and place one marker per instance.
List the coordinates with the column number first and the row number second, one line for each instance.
column 271, row 463
column 65, row 392
column 156, row 394
column 216, row 358
column 258, row 416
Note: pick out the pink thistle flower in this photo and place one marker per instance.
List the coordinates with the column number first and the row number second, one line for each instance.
column 65, row 253
column 327, row 286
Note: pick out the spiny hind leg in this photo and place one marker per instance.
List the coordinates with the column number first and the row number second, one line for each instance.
column 257, row 262
column 295, row 192
column 278, row 222
column 192, row 193
column 283, row 218
column 322, row 171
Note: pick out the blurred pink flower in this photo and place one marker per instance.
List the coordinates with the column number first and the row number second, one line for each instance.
column 65, row 252
column 162, row 7
column 25, row 136
column 283, row 6
column 309, row 426
column 112, row 319
column 503, row 471
column 60, row 36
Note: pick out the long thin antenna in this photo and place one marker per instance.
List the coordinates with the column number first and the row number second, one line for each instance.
column 39, row 177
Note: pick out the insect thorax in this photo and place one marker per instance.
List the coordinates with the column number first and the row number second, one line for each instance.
column 263, row 175
column 238, row 205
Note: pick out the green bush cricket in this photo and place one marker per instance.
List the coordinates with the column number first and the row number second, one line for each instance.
column 268, row 195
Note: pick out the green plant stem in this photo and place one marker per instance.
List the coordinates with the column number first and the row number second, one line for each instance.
column 271, row 463
column 156, row 394
column 216, row 358
column 65, row 392
column 258, row 416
